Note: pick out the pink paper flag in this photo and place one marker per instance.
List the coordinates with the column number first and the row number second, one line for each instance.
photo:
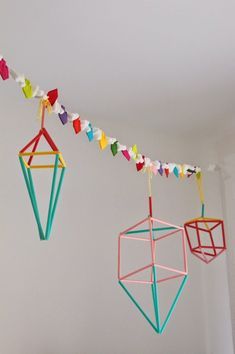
column 126, row 154
column 4, row 71
column 154, row 170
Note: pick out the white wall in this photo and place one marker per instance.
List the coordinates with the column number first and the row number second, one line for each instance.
column 226, row 153
column 62, row 296
column 218, row 275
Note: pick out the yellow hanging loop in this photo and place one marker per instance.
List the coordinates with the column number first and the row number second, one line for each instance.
column 201, row 193
column 44, row 104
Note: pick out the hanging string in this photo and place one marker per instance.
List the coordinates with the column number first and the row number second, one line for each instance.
column 42, row 117
column 149, row 172
column 201, row 192
column 44, row 103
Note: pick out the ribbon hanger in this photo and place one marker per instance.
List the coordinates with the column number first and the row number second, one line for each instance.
column 201, row 193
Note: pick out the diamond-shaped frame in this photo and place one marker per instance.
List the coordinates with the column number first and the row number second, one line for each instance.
column 26, row 161
column 166, row 230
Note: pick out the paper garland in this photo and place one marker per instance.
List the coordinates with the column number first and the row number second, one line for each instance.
column 93, row 133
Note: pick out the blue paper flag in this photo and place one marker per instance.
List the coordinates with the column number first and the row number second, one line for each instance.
column 176, row 172
column 160, row 170
column 63, row 116
column 89, row 133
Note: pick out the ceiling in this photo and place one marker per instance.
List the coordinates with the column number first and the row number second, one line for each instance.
column 158, row 64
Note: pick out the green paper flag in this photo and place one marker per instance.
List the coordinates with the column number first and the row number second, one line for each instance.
column 114, row 148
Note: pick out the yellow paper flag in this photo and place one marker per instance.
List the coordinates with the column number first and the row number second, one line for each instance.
column 27, row 89
column 103, row 141
column 182, row 171
column 135, row 150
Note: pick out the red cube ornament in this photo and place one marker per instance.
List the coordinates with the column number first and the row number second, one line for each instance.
column 206, row 238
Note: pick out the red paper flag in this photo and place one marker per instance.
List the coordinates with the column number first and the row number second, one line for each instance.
column 167, row 172
column 140, row 165
column 77, row 125
column 52, row 96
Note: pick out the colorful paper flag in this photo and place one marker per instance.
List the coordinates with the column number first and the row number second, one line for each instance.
column 140, row 163
column 135, row 150
column 52, row 96
column 27, row 89
column 77, row 125
column 160, row 170
column 103, row 141
column 89, row 133
column 139, row 166
column 4, row 71
column 63, row 116
column 154, row 169
column 114, row 148
column 166, row 172
column 176, row 171
column 126, row 154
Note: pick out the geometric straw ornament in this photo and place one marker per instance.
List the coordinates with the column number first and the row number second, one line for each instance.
column 151, row 259
column 206, row 238
column 27, row 156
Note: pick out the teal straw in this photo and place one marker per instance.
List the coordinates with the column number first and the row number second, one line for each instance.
column 48, row 226
column 156, row 298
column 32, row 199
column 173, row 304
column 203, row 210
column 54, row 196
column 56, row 199
column 41, row 233
column 147, row 230
column 154, row 304
column 139, row 307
